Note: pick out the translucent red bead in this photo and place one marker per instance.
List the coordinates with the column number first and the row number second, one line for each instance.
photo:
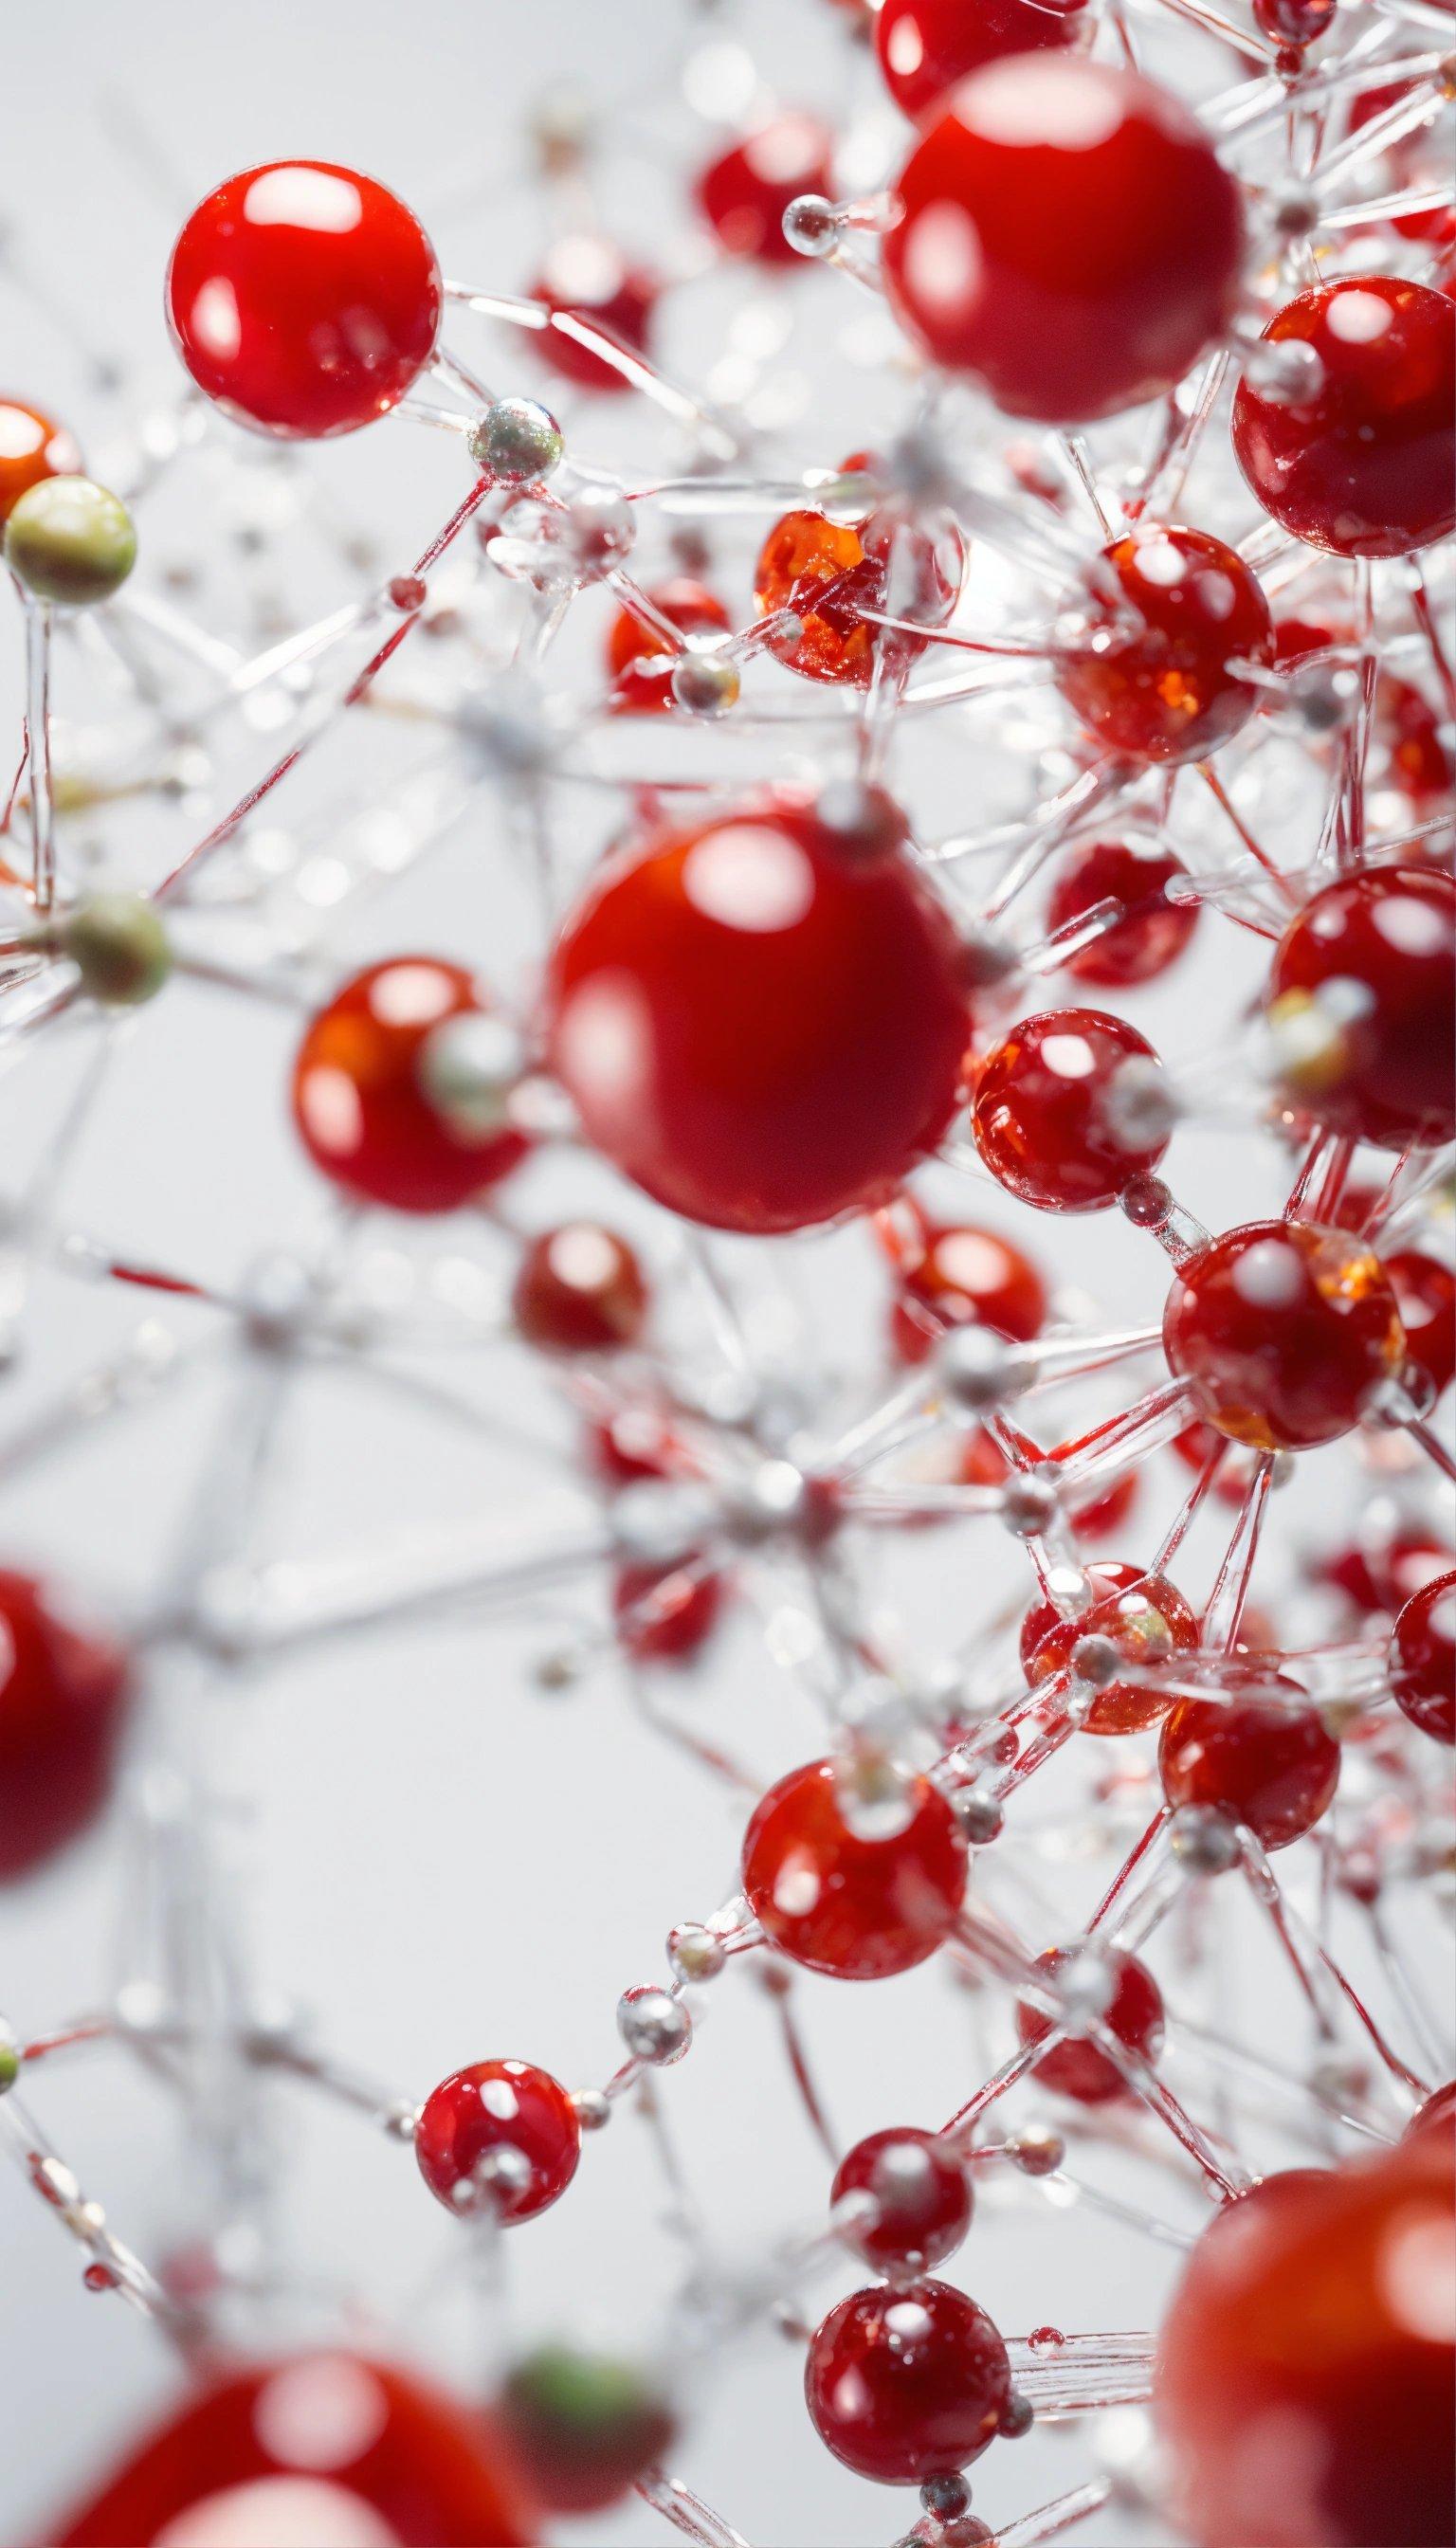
column 907, row 2385
column 66, row 1694
column 1152, row 648
column 1153, row 931
column 1133, row 2014
column 1364, row 464
column 33, row 448
column 964, row 1277
column 857, row 1909
column 925, row 47
column 921, row 2197
column 588, row 278
column 666, row 1614
column 1371, row 960
column 1424, row 1658
column 1269, row 1766
column 1035, row 249
column 1425, row 1296
column 746, row 191
column 762, row 1022
column 580, row 1290
column 1047, row 1117
column 639, row 660
column 1286, row 1329
column 364, row 1091
column 504, row 2106
column 1145, row 1617
column 305, row 298
column 830, row 572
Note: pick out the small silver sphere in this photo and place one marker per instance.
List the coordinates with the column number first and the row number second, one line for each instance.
column 469, row 1067
column 1029, row 1506
column 876, row 1797
column 1204, row 1841
column 598, row 530
column 695, row 1954
column 502, row 2171
column 654, row 2026
column 705, row 681
column 517, row 441
column 979, row 1815
column 593, row 2109
column 979, row 1370
column 767, row 1504
column 811, row 225
column 1096, row 1661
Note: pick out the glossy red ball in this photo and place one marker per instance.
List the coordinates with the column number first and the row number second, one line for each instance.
column 65, row 1696
column 859, row 1909
column 907, row 2385
column 588, row 277
column 509, row 2107
column 746, row 191
column 580, row 1290
column 1425, row 1296
column 830, row 572
column 371, row 1091
column 1147, row 1619
column 1153, row 931
column 1286, row 1330
column 1035, row 249
column 1422, row 1659
column 1371, row 964
column 759, row 1023
column 921, row 2194
column 1151, row 648
column 1364, row 464
column 33, row 448
column 638, row 659
column 1079, row 2069
column 925, row 47
column 1048, row 1116
column 964, row 1277
column 1271, row 1766
column 303, row 299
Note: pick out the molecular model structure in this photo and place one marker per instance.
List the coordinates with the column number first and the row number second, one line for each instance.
column 840, row 986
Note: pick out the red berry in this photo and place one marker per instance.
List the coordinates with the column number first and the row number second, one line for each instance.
column 65, row 1695
column 1154, row 931
column 32, row 447
column 1152, row 645
column 666, row 1614
column 638, row 659
column 745, row 194
column 1133, row 2014
column 908, row 2385
column 859, row 1909
column 921, row 2193
column 1046, row 1117
column 1270, row 1767
column 1424, row 1658
column 1036, row 250
column 965, row 1278
column 1365, row 464
column 588, row 278
column 1147, row 1619
column 509, row 2107
column 1286, row 1329
column 580, row 1290
column 926, row 46
column 303, row 299
column 830, row 572
column 1425, row 1296
column 365, row 1090
column 1318, row 2309
column 759, row 1021
column 1371, row 960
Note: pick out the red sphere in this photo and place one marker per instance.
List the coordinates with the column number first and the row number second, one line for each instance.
column 588, row 278
column 1154, row 932
column 506, row 2106
column 1365, row 464
column 832, row 573
column 638, row 659
column 303, row 299
column 1036, row 250
column 1147, row 1619
column 365, row 1091
column 580, row 1290
column 859, row 1909
column 32, row 447
column 1372, row 959
column 745, row 194
column 1294, row 25
column 665, row 1614
column 1305, row 2370
column 907, row 2385
column 1424, row 1658
column 1270, row 1767
column 921, row 2193
column 1045, row 1118
column 1286, row 1329
column 966, row 1278
column 1134, row 2013
column 925, row 47
column 65, row 1696
column 1425, row 1296
column 1150, row 643
column 1381, row 1571
column 761, row 1021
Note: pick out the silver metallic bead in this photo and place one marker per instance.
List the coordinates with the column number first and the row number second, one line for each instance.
column 705, row 681
column 811, row 225
column 1204, row 1841
column 979, row 1815
column 598, row 530
column 1029, row 1504
column 1096, row 1661
column 695, row 1954
column 593, row 2109
column 517, row 441
column 979, row 1370
column 654, row 2026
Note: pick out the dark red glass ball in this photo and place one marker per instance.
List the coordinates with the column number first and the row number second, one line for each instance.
column 580, row 1290
column 588, row 278
column 907, row 2385
column 637, row 658
column 1273, row 1767
column 1425, row 1296
column 33, row 448
column 763, row 1025
column 1373, row 955
column 830, row 572
column 1034, row 250
column 1147, row 1619
column 666, row 1614
column 364, row 1091
column 859, row 1909
column 964, row 1277
column 303, row 299
column 1079, row 2068
column 922, row 2196
column 1046, row 1117
column 925, row 47
column 1154, row 932
column 1294, row 23
column 65, row 1697
column 1381, row 1571
column 1151, row 647
column 1286, row 1329
column 507, row 2106
column 1365, row 465
column 1424, row 1658
column 746, row 191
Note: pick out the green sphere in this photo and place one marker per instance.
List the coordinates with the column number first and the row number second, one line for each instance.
column 118, row 944
column 69, row 540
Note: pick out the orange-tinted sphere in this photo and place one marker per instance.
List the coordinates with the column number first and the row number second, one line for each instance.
column 1286, row 1329
column 32, row 447
column 1153, row 646
column 1147, row 1619
column 830, row 572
